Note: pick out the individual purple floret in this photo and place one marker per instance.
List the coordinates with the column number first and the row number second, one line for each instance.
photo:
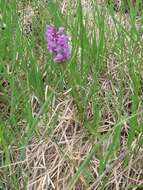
column 57, row 43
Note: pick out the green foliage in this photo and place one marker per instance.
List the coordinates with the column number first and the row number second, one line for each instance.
column 28, row 69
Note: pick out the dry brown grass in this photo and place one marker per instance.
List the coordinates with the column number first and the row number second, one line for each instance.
column 52, row 161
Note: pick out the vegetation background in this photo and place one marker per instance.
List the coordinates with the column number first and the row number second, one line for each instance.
column 79, row 124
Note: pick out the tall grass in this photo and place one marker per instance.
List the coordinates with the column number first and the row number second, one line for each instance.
column 27, row 70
